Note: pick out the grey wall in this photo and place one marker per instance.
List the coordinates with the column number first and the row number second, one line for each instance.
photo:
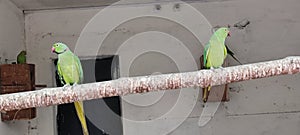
column 11, row 30
column 265, row 106
column 11, row 43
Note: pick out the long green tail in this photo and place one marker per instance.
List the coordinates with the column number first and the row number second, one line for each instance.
column 205, row 94
column 80, row 114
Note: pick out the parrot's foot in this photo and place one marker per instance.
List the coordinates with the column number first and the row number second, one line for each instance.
column 221, row 68
column 66, row 86
column 75, row 84
column 212, row 68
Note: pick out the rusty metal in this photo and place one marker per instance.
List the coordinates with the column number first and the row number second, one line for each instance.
column 125, row 86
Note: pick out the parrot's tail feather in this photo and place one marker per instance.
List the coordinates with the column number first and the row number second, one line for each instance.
column 80, row 114
column 205, row 94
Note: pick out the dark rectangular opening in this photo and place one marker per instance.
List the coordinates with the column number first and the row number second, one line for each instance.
column 103, row 116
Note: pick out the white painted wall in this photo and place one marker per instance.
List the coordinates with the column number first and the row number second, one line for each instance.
column 11, row 30
column 266, row 106
column 11, row 43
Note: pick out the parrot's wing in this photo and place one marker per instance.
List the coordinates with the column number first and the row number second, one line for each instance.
column 79, row 68
column 60, row 74
column 225, row 51
column 19, row 58
column 205, row 54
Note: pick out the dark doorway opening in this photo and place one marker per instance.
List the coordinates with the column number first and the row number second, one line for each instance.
column 103, row 116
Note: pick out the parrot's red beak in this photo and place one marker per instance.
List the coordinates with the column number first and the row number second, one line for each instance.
column 53, row 49
column 229, row 35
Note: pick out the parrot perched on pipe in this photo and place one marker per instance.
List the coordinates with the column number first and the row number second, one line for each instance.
column 229, row 51
column 70, row 73
column 215, row 53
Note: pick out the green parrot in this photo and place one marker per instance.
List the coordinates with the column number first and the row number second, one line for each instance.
column 70, row 73
column 21, row 58
column 215, row 53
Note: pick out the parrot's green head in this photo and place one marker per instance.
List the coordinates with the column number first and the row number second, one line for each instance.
column 59, row 48
column 23, row 52
column 223, row 32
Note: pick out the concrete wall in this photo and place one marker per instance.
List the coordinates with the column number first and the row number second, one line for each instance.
column 266, row 106
column 11, row 31
column 11, row 43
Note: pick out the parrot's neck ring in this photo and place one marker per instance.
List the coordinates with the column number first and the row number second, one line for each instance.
column 61, row 52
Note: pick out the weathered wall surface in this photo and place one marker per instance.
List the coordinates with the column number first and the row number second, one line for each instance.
column 11, row 43
column 266, row 106
column 11, row 31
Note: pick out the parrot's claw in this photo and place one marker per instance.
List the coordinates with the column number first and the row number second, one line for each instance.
column 66, row 86
column 75, row 84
